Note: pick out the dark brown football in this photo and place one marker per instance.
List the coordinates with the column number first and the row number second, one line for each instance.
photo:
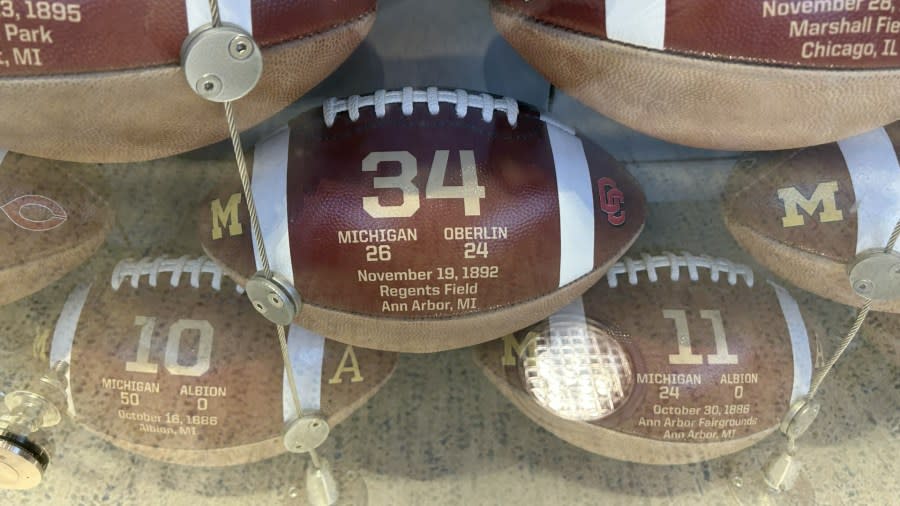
column 671, row 359
column 51, row 223
column 737, row 74
column 806, row 214
column 168, row 360
column 425, row 220
column 100, row 80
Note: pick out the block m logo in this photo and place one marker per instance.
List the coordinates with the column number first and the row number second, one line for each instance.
column 823, row 197
column 226, row 217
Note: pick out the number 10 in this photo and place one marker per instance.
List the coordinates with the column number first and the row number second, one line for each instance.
column 142, row 363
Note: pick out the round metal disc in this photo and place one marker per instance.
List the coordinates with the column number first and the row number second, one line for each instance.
column 221, row 63
column 20, row 469
column 273, row 298
column 876, row 275
column 305, row 434
column 803, row 419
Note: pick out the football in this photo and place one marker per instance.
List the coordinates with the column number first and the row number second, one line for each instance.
column 51, row 223
column 166, row 358
column 806, row 214
column 736, row 75
column 425, row 220
column 671, row 359
column 101, row 80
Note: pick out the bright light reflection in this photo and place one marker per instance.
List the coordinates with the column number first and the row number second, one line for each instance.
column 577, row 372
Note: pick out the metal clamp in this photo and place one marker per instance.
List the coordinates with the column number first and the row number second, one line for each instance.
column 274, row 297
column 799, row 418
column 306, row 433
column 875, row 274
column 221, row 63
column 23, row 459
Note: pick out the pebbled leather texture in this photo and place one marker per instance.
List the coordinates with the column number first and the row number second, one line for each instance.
column 516, row 168
column 770, row 32
column 50, row 224
column 813, row 253
column 249, row 417
column 633, row 316
column 143, row 114
column 704, row 102
column 134, row 34
column 751, row 198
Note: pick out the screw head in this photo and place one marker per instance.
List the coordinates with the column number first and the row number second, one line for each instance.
column 209, row 86
column 240, row 47
column 275, row 300
column 875, row 274
column 864, row 286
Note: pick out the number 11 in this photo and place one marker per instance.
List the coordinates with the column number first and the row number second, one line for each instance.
column 686, row 355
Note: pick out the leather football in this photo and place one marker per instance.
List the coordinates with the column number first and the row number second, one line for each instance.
column 737, row 75
column 50, row 224
column 101, row 80
column 167, row 359
column 806, row 214
column 671, row 359
column 425, row 220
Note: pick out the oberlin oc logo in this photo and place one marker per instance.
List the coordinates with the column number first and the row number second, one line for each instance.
column 611, row 200
column 35, row 212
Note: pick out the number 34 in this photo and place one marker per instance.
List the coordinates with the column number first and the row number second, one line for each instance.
column 470, row 192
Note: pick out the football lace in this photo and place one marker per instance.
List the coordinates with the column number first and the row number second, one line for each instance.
column 153, row 267
column 649, row 264
column 432, row 96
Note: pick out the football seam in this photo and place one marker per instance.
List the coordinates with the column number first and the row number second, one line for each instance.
column 731, row 221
